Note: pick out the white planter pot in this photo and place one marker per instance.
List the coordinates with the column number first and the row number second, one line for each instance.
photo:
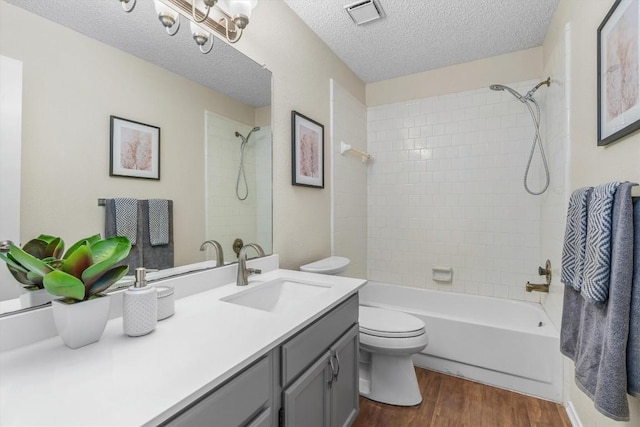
column 81, row 323
column 32, row 298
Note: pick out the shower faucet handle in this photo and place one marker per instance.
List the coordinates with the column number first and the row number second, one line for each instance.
column 546, row 271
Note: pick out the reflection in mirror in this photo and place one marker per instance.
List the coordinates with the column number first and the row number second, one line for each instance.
column 124, row 64
column 238, row 161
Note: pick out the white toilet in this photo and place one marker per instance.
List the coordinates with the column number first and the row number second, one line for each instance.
column 387, row 341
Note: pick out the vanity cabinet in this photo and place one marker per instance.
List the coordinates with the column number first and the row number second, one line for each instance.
column 320, row 371
column 245, row 400
column 312, row 378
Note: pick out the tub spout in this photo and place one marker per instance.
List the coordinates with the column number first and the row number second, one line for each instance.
column 538, row 287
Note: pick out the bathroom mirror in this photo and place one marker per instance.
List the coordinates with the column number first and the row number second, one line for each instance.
column 74, row 80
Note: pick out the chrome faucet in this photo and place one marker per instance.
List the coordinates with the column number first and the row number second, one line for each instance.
column 218, row 248
column 243, row 271
column 5, row 246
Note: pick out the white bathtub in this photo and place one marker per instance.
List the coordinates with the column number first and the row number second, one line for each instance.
column 506, row 343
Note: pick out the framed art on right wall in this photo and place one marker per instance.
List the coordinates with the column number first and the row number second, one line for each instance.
column 619, row 72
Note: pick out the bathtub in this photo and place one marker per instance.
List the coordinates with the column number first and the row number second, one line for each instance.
column 504, row 343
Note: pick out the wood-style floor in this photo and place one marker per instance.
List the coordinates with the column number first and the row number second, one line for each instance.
column 452, row 402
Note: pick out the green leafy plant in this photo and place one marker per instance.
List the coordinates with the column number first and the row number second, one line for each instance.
column 45, row 248
column 86, row 269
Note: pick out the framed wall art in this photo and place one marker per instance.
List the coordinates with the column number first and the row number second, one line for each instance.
column 307, row 151
column 619, row 72
column 134, row 149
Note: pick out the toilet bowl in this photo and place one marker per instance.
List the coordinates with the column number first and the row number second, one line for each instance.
column 388, row 339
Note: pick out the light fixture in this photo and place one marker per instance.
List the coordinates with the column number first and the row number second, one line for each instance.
column 227, row 18
column 240, row 11
column 128, row 5
column 170, row 18
column 208, row 4
column 201, row 37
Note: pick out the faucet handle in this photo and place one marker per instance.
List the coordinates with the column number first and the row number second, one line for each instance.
column 5, row 246
column 254, row 271
column 546, row 271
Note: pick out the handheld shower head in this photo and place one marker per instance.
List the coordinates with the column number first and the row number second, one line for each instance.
column 508, row 89
column 246, row 139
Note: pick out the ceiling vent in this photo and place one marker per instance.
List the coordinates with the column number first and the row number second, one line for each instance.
column 364, row 11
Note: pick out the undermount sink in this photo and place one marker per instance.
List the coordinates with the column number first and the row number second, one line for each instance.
column 278, row 295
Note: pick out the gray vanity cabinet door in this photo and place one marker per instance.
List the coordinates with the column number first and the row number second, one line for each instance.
column 344, row 388
column 306, row 401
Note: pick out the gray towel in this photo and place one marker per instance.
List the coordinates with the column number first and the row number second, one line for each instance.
column 158, row 222
column 134, row 259
column 633, row 346
column 597, row 262
column 127, row 218
column 161, row 256
column 595, row 336
column 575, row 238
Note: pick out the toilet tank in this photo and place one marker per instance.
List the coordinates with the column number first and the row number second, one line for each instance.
column 334, row 265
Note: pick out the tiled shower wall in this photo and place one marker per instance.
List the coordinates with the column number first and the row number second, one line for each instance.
column 227, row 217
column 445, row 191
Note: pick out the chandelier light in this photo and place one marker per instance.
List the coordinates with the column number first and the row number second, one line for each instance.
column 227, row 18
column 170, row 18
column 201, row 37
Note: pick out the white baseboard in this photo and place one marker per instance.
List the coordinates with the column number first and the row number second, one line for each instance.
column 573, row 416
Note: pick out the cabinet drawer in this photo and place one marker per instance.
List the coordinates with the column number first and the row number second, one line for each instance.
column 234, row 403
column 302, row 350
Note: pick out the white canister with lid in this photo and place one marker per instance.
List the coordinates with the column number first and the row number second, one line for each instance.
column 166, row 302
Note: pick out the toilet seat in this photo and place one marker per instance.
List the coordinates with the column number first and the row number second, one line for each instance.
column 379, row 322
column 331, row 265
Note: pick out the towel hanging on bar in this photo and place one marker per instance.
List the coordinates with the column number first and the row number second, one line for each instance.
column 127, row 218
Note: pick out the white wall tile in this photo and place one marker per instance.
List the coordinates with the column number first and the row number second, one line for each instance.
column 452, row 194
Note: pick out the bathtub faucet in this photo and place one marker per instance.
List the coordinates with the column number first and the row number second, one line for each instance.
column 538, row 287
column 542, row 287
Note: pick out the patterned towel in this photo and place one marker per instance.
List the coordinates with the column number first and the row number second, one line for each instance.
column 127, row 218
column 575, row 238
column 597, row 263
column 158, row 222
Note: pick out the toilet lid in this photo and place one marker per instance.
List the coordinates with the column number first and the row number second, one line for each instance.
column 387, row 323
column 331, row 265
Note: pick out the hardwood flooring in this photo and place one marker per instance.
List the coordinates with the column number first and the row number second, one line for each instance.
column 451, row 402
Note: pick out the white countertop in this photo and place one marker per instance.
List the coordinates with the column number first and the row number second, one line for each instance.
column 124, row 381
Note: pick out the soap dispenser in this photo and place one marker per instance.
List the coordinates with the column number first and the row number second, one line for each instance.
column 140, row 306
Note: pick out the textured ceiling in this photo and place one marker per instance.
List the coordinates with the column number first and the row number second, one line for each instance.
column 141, row 34
column 421, row 35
